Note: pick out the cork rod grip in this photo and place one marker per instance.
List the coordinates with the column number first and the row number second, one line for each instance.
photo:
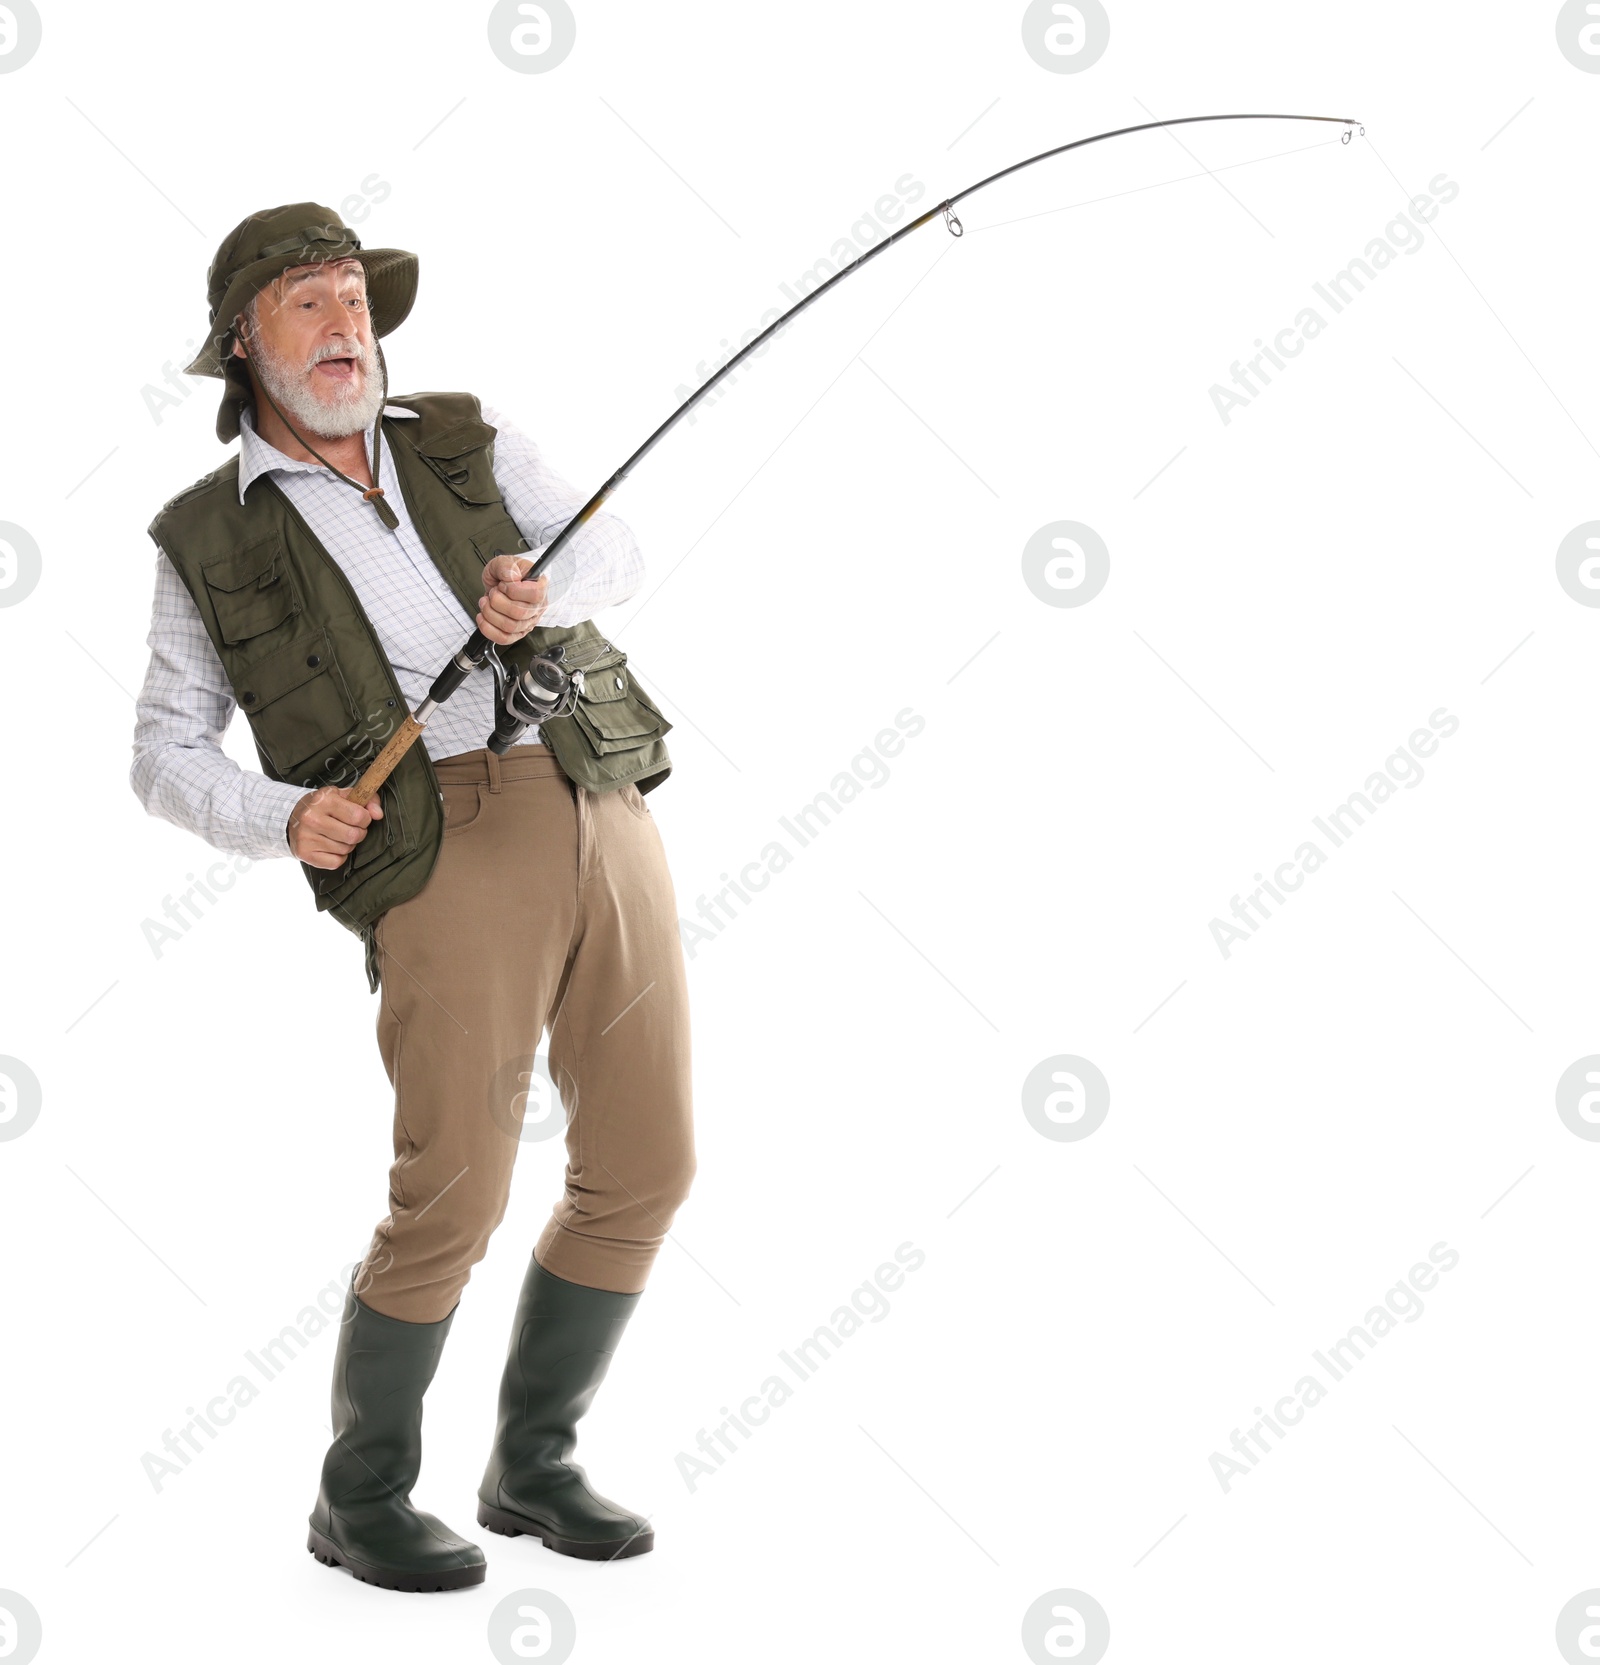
column 386, row 762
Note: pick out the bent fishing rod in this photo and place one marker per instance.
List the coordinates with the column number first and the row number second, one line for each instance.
column 548, row 688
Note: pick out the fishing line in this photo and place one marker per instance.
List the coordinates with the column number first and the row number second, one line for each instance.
column 547, row 688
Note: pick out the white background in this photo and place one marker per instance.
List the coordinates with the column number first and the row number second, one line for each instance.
column 1291, row 594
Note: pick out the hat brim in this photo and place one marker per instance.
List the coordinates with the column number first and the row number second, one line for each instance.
column 391, row 290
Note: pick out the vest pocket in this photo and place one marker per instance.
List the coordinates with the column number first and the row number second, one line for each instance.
column 613, row 711
column 460, row 457
column 299, row 707
column 615, row 732
column 251, row 591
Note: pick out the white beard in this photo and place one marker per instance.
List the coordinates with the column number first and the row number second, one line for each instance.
column 342, row 410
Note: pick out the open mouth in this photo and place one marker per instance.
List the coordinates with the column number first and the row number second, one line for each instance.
column 336, row 369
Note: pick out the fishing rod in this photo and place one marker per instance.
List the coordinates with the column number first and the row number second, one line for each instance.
column 548, row 688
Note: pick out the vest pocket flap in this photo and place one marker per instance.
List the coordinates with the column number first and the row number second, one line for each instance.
column 282, row 672
column 256, row 565
column 250, row 590
column 465, row 468
column 619, row 725
column 606, row 684
column 469, row 434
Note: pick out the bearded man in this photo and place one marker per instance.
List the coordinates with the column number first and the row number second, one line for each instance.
column 319, row 580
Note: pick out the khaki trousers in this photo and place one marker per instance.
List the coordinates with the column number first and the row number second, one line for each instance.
column 550, row 908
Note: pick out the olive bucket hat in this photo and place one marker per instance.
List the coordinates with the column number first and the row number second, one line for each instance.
column 261, row 248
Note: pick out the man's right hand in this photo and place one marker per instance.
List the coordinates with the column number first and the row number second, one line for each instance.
column 325, row 826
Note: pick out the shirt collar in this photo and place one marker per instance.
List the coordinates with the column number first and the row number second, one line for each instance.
column 257, row 456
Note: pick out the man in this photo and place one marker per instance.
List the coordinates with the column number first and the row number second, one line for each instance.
column 320, row 580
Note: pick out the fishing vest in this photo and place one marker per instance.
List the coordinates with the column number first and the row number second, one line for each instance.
column 307, row 669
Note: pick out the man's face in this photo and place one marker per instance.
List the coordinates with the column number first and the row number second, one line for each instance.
column 313, row 347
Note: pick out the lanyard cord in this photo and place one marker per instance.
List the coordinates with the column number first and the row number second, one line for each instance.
column 372, row 494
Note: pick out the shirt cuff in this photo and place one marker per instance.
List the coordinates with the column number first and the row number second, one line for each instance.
column 267, row 806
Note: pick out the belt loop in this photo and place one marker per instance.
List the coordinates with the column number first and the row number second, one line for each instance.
column 494, row 769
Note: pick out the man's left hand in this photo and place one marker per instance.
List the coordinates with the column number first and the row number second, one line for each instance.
column 510, row 606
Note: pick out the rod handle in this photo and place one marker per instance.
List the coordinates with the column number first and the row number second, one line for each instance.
column 386, row 762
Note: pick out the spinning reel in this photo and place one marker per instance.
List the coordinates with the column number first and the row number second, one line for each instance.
column 548, row 688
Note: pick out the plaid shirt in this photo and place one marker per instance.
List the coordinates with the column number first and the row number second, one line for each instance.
column 180, row 771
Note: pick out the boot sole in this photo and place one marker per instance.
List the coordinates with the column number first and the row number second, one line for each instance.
column 510, row 1525
column 390, row 1578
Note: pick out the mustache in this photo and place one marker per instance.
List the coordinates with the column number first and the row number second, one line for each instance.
column 333, row 350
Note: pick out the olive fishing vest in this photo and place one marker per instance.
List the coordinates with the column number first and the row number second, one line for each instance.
column 307, row 669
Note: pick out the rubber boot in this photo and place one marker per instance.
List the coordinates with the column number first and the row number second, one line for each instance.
column 561, row 1346
column 364, row 1519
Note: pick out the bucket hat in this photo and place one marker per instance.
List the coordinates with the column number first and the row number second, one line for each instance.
column 262, row 247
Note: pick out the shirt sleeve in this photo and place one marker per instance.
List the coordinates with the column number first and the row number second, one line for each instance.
column 180, row 772
column 600, row 567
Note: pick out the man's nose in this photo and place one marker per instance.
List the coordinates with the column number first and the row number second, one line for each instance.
column 345, row 334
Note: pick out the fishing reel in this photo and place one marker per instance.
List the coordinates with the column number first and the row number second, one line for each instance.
column 547, row 688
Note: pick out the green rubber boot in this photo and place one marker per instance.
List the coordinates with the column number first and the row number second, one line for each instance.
column 561, row 1345
column 364, row 1519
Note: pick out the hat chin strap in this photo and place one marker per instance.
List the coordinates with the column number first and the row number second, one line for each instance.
column 372, row 494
